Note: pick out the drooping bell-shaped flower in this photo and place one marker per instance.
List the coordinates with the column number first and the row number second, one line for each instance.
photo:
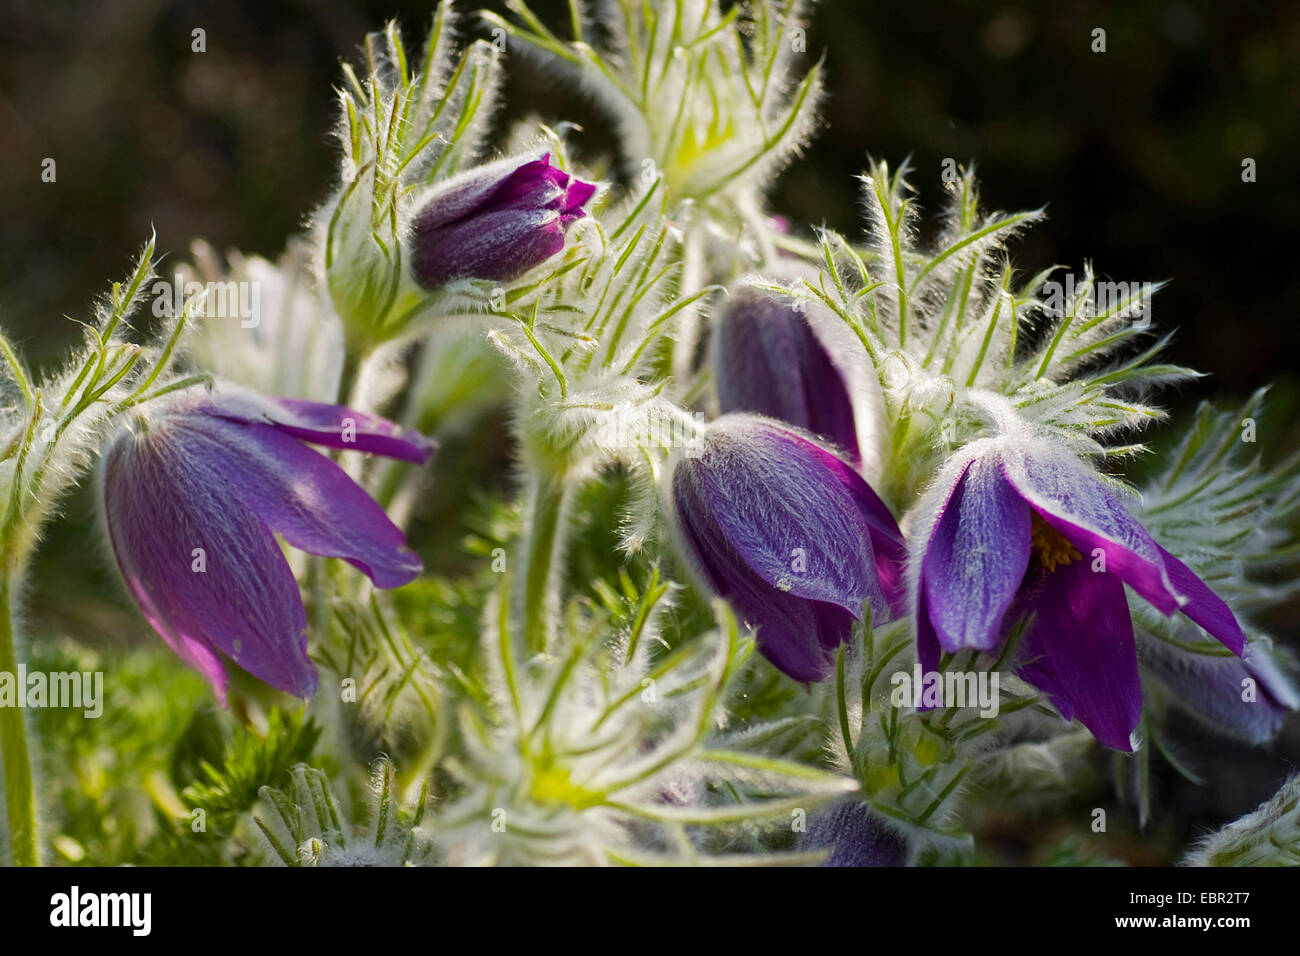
column 790, row 535
column 193, row 495
column 769, row 358
column 495, row 222
column 1021, row 529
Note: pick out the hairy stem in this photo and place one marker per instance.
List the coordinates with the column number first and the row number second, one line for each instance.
column 542, row 577
column 20, row 787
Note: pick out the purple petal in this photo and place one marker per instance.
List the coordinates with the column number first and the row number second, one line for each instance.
column 304, row 496
column 1075, row 501
column 466, row 193
column 781, row 528
column 928, row 651
column 1204, row 606
column 797, row 635
column 337, row 426
column 535, row 185
column 495, row 245
column 784, row 506
column 162, row 503
column 854, row 836
column 578, row 195
column 976, row 558
column 887, row 544
column 496, row 222
column 1079, row 650
column 334, row 426
column 1213, row 688
column 767, row 359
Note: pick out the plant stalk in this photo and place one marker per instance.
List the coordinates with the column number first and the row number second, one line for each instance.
column 20, row 785
column 542, row 576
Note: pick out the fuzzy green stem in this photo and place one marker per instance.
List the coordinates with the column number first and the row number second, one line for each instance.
column 20, row 786
column 541, row 576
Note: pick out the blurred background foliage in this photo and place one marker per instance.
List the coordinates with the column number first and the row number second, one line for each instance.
column 1137, row 151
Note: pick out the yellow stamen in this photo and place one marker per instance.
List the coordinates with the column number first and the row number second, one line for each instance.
column 1053, row 548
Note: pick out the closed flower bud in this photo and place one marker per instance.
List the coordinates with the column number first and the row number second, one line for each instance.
column 495, row 222
column 790, row 535
column 363, row 262
column 771, row 359
column 853, row 836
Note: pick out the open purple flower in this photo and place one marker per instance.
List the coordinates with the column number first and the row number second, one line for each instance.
column 790, row 535
column 1022, row 529
column 768, row 359
column 193, row 496
column 495, row 222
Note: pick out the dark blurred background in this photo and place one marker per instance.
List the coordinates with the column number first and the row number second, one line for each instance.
column 1137, row 151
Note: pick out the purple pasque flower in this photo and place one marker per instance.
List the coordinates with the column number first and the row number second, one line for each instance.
column 790, row 535
column 193, row 496
column 853, row 836
column 495, row 222
column 1021, row 529
column 769, row 358
column 1244, row 698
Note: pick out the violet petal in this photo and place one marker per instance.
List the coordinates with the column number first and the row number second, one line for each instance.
column 164, row 503
column 1079, row 649
column 304, row 496
column 768, row 360
column 1072, row 499
column 1204, row 606
column 976, row 558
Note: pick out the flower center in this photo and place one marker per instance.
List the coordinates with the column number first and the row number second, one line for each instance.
column 552, row 784
column 1053, row 548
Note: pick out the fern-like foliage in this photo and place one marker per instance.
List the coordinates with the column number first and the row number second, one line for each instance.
column 1268, row 837
column 712, row 99
column 960, row 345
column 1224, row 511
column 250, row 762
column 600, row 752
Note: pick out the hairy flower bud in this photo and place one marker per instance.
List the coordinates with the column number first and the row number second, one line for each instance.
column 363, row 271
column 495, row 222
column 769, row 359
column 853, row 836
column 1244, row 698
column 790, row 535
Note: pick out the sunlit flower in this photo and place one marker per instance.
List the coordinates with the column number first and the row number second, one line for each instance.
column 768, row 358
column 1021, row 529
column 193, row 495
column 789, row 534
column 495, row 222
